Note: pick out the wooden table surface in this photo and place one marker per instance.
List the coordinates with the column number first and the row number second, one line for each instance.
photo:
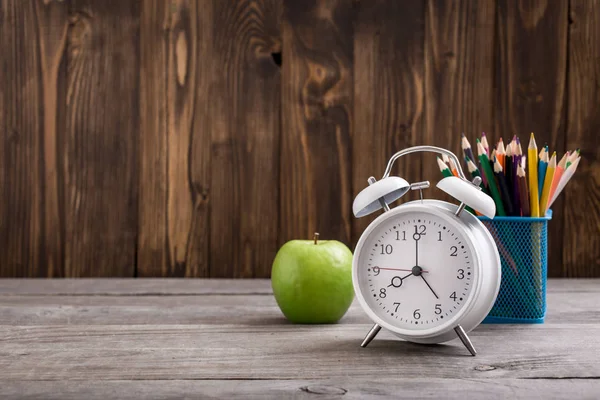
column 166, row 338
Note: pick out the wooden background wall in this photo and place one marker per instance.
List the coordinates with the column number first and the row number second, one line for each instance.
column 192, row 138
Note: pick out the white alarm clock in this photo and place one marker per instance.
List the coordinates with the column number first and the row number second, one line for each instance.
column 425, row 270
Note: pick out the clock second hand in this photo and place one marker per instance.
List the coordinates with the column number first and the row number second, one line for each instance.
column 399, row 269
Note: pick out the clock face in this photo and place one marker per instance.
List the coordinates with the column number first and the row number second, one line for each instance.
column 416, row 270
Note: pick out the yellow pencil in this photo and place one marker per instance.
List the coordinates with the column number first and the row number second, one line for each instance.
column 547, row 184
column 532, row 162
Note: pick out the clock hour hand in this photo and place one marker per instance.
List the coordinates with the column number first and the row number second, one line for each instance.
column 397, row 281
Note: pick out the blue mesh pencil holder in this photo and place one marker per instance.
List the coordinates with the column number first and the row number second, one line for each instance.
column 523, row 247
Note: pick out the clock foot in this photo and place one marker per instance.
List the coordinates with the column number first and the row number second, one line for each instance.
column 371, row 335
column 465, row 340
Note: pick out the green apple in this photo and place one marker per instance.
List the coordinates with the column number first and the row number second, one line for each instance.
column 312, row 280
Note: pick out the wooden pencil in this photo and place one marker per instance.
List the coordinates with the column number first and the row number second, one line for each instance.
column 474, row 171
column 466, row 147
column 574, row 155
column 501, row 152
column 485, row 144
column 523, row 191
column 501, row 179
column 547, row 184
column 508, row 165
column 569, row 172
column 444, row 168
column 558, row 173
column 445, row 159
column 532, row 164
column 489, row 173
column 453, row 168
column 542, row 166
column 516, row 198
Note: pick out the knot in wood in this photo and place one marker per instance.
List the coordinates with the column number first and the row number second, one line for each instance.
column 322, row 389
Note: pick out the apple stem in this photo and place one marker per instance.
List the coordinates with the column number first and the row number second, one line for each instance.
column 316, row 237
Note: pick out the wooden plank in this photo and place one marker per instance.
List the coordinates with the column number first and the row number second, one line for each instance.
column 152, row 252
column 132, row 287
column 174, row 175
column 459, row 77
column 52, row 24
column 109, row 352
column 101, row 139
column 316, row 175
column 529, row 97
column 245, row 138
column 144, row 287
column 388, row 92
column 581, row 241
column 372, row 387
column 21, row 142
column 248, row 306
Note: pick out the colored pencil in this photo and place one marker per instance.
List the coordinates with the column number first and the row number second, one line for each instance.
column 487, row 170
column 501, row 179
column 558, row 173
column 547, row 184
column 466, row 147
column 564, row 180
column 445, row 159
column 474, row 171
column 444, row 168
column 508, row 165
column 485, row 144
column 574, row 155
column 501, row 152
column 453, row 168
column 534, row 204
column 515, row 184
column 542, row 167
column 523, row 191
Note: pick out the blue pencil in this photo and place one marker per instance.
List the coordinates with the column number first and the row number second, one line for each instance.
column 542, row 166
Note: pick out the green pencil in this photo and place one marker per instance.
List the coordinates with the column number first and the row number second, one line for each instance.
column 447, row 173
column 489, row 174
column 444, row 168
column 474, row 171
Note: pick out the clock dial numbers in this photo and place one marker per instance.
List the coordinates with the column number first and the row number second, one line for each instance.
column 419, row 283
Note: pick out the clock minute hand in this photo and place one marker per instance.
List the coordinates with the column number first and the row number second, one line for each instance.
column 429, row 286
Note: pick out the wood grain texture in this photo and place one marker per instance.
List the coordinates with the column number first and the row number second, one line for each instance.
column 174, row 141
column 581, row 240
column 52, row 24
column 152, row 247
column 191, row 138
column 245, row 130
column 184, row 287
column 316, row 174
column 21, row 142
column 459, row 83
column 340, row 388
column 388, row 92
column 68, row 342
column 530, row 86
column 101, row 184
column 207, row 303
